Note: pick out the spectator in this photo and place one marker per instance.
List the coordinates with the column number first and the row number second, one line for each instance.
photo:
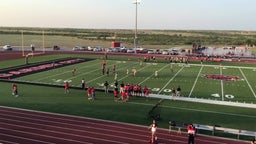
column 191, row 134
column 253, row 140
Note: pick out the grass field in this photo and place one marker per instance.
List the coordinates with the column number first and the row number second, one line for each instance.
column 189, row 77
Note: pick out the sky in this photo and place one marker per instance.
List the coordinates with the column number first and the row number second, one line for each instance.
column 120, row 14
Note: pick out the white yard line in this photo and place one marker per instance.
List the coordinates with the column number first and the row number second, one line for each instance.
column 195, row 81
column 104, row 76
column 128, row 75
column 170, row 80
column 63, row 73
column 152, row 75
column 247, row 82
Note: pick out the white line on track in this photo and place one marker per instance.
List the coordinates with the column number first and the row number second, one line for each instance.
column 89, row 125
column 29, row 139
column 192, row 89
column 7, row 142
column 54, row 115
column 43, row 135
column 247, row 82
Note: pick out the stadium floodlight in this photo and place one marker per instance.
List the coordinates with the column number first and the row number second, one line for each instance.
column 136, row 2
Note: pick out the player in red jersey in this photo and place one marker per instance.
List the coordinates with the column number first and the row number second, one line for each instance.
column 15, row 90
column 89, row 93
column 116, row 94
column 66, row 87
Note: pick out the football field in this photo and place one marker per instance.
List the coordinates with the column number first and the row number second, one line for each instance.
column 214, row 82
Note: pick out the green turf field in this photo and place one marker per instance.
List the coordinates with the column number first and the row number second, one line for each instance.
column 189, row 77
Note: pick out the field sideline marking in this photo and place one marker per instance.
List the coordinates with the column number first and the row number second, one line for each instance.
column 247, row 82
column 170, row 80
column 197, row 110
column 152, row 75
column 196, row 81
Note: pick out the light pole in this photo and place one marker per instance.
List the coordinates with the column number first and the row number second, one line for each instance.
column 136, row 2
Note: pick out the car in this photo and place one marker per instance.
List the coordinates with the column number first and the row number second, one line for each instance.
column 130, row 50
column 141, row 50
column 7, row 47
column 150, row 51
column 110, row 50
column 76, row 48
column 174, row 52
column 55, row 47
column 97, row 49
column 165, row 52
column 84, row 48
column 157, row 51
column 123, row 50
column 116, row 49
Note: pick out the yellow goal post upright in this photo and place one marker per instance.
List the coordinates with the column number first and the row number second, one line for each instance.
column 32, row 53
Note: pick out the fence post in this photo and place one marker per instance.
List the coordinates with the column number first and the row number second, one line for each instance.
column 213, row 130
column 238, row 135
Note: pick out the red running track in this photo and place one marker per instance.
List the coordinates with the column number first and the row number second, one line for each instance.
column 19, row 126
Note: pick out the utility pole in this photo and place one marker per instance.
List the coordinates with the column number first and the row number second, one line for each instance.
column 136, row 2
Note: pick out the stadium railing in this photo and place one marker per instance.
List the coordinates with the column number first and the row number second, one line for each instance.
column 213, row 129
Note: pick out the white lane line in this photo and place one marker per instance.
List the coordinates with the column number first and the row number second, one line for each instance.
column 76, row 130
column 42, row 135
column 171, row 80
column 82, row 119
column 9, row 142
column 194, row 85
column 247, row 82
column 18, row 137
column 88, row 125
